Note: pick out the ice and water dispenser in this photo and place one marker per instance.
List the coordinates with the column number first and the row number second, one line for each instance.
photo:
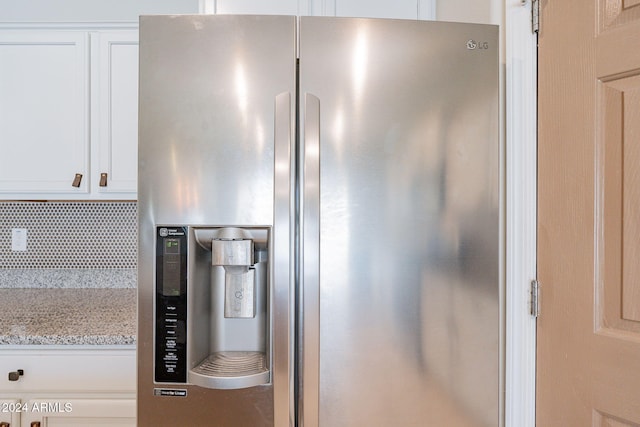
column 212, row 316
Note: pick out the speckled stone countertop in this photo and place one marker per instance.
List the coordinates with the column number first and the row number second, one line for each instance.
column 68, row 316
column 67, row 306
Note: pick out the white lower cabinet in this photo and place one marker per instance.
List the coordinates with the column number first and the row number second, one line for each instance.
column 79, row 412
column 63, row 412
column 10, row 412
column 62, row 387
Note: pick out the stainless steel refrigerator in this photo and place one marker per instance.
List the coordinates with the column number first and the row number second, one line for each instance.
column 318, row 222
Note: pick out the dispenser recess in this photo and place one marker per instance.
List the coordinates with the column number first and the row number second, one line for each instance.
column 228, row 310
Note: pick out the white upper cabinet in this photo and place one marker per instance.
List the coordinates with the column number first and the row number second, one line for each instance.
column 115, row 111
column 44, row 100
column 69, row 93
column 68, row 114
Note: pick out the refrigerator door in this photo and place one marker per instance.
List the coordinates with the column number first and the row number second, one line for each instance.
column 400, row 229
column 215, row 150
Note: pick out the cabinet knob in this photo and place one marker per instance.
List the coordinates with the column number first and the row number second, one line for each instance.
column 35, row 424
column 77, row 180
column 15, row 375
column 103, row 179
column 5, row 424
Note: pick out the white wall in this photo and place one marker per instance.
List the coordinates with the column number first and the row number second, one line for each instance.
column 479, row 11
column 90, row 10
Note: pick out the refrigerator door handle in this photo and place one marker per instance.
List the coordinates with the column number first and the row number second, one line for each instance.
column 283, row 315
column 310, row 257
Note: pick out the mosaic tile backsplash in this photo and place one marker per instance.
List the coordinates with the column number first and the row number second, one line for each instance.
column 69, row 244
column 70, row 234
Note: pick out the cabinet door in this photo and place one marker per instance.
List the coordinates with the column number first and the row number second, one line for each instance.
column 44, row 100
column 115, row 106
column 80, row 412
column 10, row 410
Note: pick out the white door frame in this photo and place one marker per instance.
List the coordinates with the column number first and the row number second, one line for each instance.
column 520, row 192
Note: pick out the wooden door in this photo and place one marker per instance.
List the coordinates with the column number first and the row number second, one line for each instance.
column 588, row 369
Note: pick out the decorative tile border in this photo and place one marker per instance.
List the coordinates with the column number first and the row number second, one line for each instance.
column 68, row 278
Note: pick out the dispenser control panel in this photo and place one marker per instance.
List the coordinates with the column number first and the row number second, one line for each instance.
column 171, row 305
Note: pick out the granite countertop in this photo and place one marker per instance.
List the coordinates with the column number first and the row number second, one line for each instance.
column 68, row 316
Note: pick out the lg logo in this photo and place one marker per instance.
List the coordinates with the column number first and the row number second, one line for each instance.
column 473, row 45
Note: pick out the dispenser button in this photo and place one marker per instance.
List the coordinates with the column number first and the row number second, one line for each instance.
column 170, row 356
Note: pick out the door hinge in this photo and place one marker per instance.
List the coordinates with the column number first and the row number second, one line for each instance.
column 535, row 298
column 535, row 16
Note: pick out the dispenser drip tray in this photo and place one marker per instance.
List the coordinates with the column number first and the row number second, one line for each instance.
column 231, row 369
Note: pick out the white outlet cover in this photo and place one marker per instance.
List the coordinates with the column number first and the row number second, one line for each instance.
column 19, row 239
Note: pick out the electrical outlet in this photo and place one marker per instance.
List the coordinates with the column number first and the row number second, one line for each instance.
column 19, row 239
